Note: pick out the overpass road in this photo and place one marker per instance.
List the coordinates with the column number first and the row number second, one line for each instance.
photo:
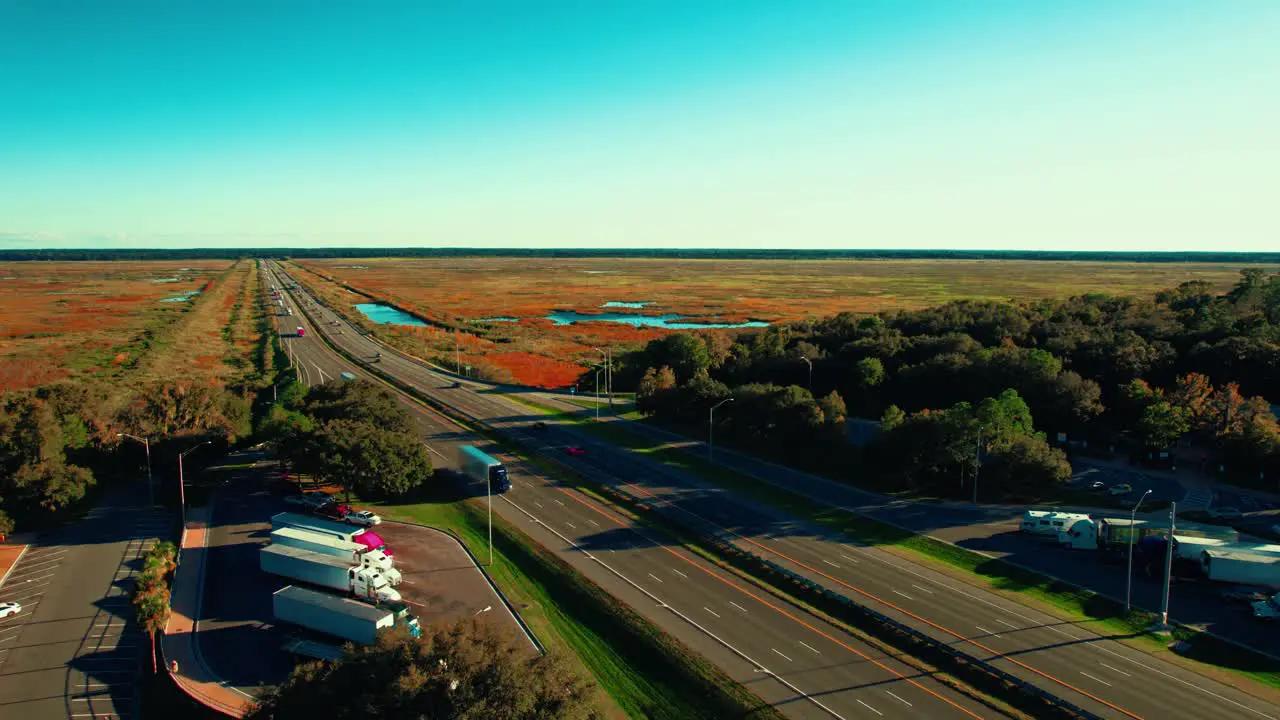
column 789, row 657
column 1103, row 676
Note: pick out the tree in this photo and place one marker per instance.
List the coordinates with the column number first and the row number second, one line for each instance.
column 464, row 671
column 358, row 400
column 893, row 418
column 152, row 607
column 1193, row 394
column 51, row 485
column 833, row 408
column 1026, row 468
column 369, row 459
column 686, row 355
column 870, row 373
column 1161, row 424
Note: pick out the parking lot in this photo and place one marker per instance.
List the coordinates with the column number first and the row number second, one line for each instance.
column 74, row 650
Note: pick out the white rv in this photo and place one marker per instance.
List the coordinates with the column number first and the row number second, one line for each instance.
column 1049, row 522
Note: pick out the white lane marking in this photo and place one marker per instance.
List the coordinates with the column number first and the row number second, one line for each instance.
column 923, row 590
column 831, row 564
column 737, row 606
column 593, row 522
column 987, row 631
column 784, row 657
column 814, row 649
column 1007, row 624
column 566, row 522
column 686, row 577
column 1104, row 682
column 31, row 580
column 535, row 502
column 895, row 697
column 655, row 577
column 713, row 612
column 431, row 449
column 904, row 595
column 846, row 557
column 559, row 502
column 1115, row 669
column 871, row 708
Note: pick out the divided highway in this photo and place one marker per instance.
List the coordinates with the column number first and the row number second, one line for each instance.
column 789, row 657
column 1102, row 676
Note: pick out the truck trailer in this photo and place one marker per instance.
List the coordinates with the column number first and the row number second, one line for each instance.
column 326, row 571
column 337, row 616
column 355, row 553
column 480, row 467
column 314, row 524
column 1241, row 568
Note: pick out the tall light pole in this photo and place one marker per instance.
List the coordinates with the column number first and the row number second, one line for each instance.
column 457, row 354
column 146, row 443
column 1168, row 567
column 608, row 375
column 977, row 463
column 488, row 496
column 1128, row 583
column 711, row 429
column 809, row 362
column 182, row 483
column 598, row 392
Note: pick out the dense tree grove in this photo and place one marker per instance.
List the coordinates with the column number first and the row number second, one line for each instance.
column 464, row 671
column 354, row 434
column 1143, row 374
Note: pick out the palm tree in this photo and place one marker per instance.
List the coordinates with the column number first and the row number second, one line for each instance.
column 153, row 615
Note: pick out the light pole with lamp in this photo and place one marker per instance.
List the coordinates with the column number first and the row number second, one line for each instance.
column 711, row 429
column 809, row 362
column 1128, row 583
column 608, row 375
column 597, row 403
column 182, row 487
column 146, row 443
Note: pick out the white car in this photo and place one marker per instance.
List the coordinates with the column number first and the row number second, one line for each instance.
column 365, row 518
column 9, row 608
column 1121, row 489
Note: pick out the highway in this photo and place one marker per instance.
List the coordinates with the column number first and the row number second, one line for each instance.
column 791, row 658
column 1102, row 676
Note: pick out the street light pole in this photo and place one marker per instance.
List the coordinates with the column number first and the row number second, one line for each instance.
column 488, row 494
column 598, row 395
column 182, row 483
column 977, row 464
column 146, row 444
column 1128, row 584
column 711, row 429
column 608, row 375
column 1168, row 567
column 809, row 362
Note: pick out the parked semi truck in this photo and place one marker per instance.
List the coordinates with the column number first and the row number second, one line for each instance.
column 480, row 467
column 352, row 552
column 311, row 523
column 1241, row 568
column 1101, row 533
column 326, row 571
column 336, row 616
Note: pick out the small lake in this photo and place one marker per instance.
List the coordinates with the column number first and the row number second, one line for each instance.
column 626, row 304
column 387, row 315
column 669, row 322
column 182, row 297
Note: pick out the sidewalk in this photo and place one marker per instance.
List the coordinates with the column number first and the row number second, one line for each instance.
column 180, row 643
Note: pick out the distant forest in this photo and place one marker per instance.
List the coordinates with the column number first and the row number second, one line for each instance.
column 692, row 254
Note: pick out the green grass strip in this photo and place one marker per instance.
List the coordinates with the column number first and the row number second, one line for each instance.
column 1076, row 603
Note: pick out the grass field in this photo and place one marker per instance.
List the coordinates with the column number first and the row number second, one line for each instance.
column 77, row 319
column 458, row 293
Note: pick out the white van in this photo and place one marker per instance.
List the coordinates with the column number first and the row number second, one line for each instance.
column 1049, row 522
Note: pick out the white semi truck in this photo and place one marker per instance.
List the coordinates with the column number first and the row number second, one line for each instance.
column 352, row 552
column 327, row 571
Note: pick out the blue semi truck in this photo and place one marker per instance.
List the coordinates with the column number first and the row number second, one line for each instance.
column 480, row 467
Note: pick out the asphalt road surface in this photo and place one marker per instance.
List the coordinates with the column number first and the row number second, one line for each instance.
column 75, row 650
column 791, row 658
column 1102, row 676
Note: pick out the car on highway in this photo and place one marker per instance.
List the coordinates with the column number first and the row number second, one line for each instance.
column 1097, row 485
column 540, row 425
column 9, row 608
column 364, row 518
column 575, row 451
column 1121, row 489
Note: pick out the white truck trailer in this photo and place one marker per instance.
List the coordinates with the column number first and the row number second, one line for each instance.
column 1241, row 568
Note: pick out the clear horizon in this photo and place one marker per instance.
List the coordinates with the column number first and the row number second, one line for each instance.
column 929, row 125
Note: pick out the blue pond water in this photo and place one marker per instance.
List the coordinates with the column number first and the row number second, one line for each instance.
column 670, row 322
column 626, row 304
column 181, row 297
column 387, row 315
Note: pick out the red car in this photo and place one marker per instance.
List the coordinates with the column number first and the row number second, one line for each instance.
column 575, row 451
column 334, row 511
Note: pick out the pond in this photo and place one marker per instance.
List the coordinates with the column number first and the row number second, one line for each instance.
column 668, row 322
column 181, row 297
column 626, row 304
column 387, row 315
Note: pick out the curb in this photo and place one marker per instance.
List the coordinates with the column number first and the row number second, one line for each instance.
column 21, row 554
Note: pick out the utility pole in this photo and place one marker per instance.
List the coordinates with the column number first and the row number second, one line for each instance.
column 146, row 444
column 711, row 429
column 1168, row 568
column 977, row 456
column 809, row 362
column 1128, row 585
column 182, row 483
column 608, row 375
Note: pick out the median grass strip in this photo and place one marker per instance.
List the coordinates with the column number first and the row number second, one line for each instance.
column 644, row 671
column 1103, row 615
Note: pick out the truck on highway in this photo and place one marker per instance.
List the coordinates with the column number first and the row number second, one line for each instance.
column 347, row 376
column 339, row 617
column 478, row 466
column 301, row 331
column 1241, row 568
column 326, row 571
column 353, row 552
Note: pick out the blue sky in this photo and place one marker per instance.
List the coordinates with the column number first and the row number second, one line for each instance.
column 1091, row 125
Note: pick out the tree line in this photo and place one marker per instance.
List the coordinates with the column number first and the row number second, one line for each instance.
column 991, row 387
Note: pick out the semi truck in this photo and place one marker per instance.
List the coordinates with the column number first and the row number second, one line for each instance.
column 480, row 467
column 352, row 552
column 339, row 617
column 1102, row 533
column 314, row 524
column 326, row 571
column 1241, row 568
